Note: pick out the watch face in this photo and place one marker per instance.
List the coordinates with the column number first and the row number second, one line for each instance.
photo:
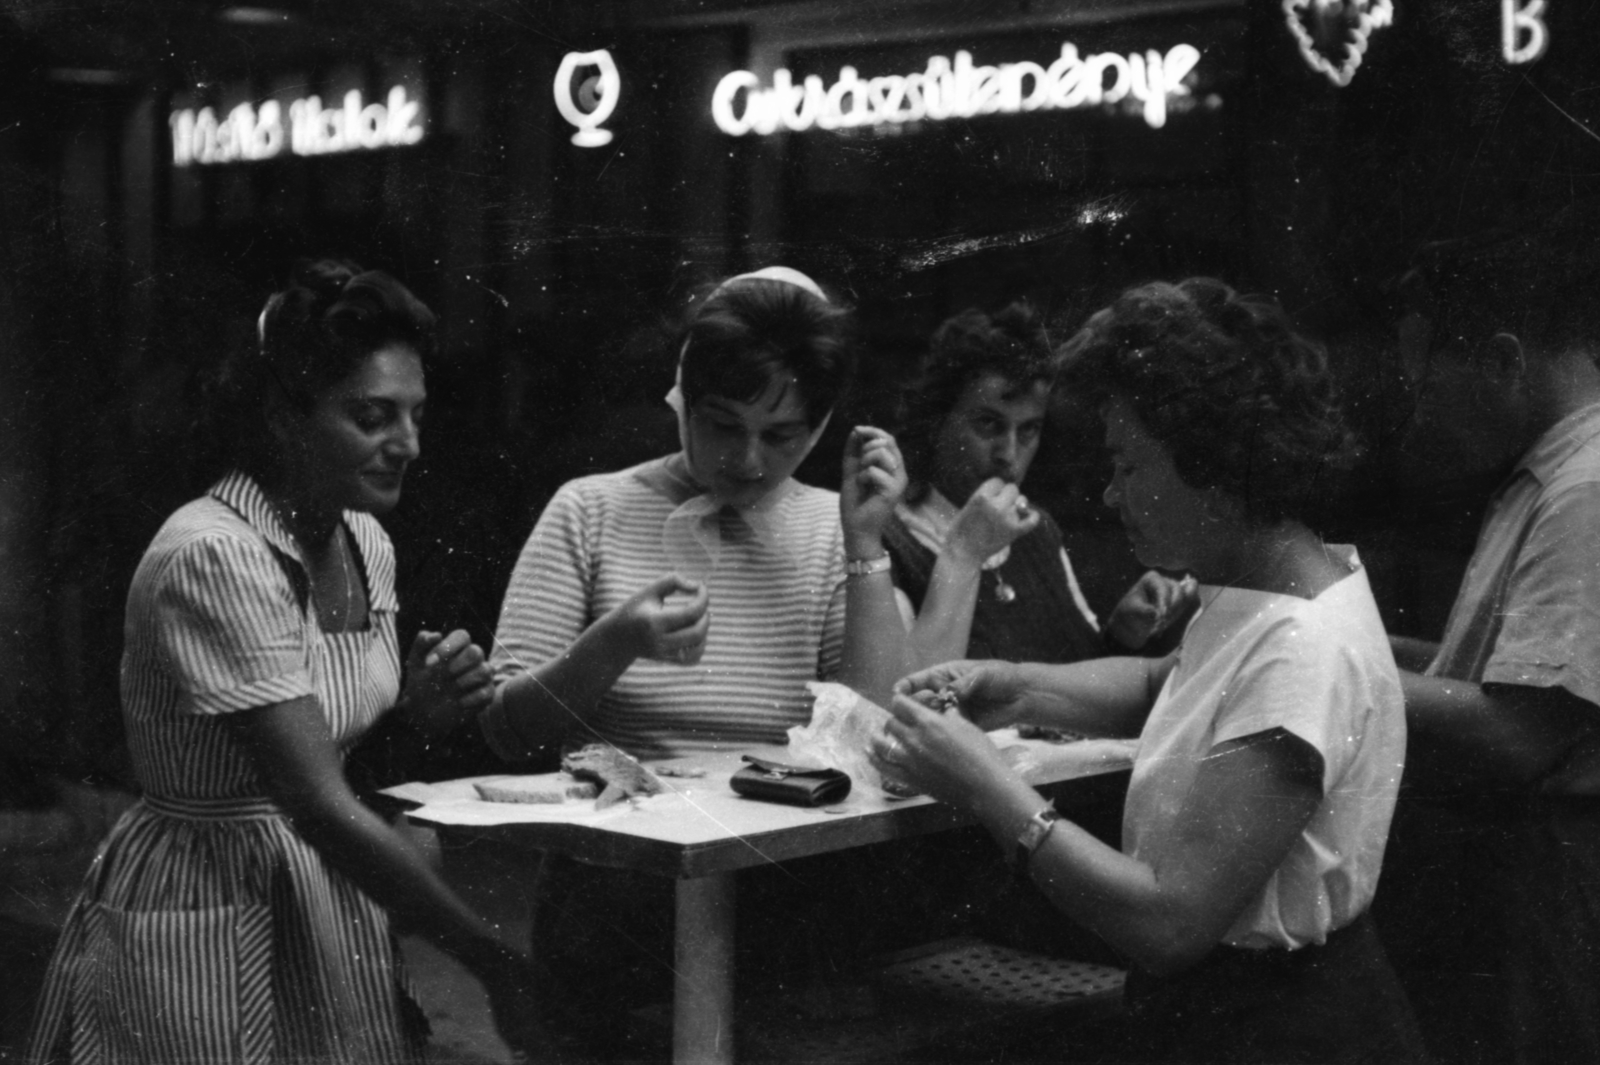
column 1034, row 832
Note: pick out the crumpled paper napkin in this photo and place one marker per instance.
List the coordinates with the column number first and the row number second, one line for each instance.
column 840, row 735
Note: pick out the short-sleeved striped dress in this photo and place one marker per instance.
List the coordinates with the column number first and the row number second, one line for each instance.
column 208, row 930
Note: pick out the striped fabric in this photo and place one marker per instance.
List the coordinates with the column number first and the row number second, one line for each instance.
column 777, row 616
column 207, row 930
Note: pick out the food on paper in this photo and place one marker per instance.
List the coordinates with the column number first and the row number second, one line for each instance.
column 539, row 789
column 617, row 773
column 674, row 769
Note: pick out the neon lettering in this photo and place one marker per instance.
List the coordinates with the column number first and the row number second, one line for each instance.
column 954, row 88
column 250, row 132
column 1523, row 33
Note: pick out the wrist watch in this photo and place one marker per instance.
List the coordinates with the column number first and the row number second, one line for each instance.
column 1033, row 834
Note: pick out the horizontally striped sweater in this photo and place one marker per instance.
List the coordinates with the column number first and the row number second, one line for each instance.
column 777, row 618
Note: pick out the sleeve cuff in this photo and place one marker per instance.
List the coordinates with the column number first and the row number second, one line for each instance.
column 1542, row 675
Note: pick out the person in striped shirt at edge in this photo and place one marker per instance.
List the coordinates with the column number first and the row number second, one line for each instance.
column 239, row 911
column 681, row 606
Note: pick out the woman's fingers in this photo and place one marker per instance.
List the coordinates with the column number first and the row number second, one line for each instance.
column 933, row 678
column 447, row 647
column 476, row 677
column 875, row 479
column 907, row 711
column 674, row 616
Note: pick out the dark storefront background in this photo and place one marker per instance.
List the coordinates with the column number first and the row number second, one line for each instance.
column 556, row 268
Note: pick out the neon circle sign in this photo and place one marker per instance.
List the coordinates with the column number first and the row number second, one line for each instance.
column 949, row 89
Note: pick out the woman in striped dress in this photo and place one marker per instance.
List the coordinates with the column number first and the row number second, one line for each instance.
column 682, row 605
column 237, row 913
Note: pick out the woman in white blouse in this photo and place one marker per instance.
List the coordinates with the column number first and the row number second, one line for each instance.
column 1270, row 743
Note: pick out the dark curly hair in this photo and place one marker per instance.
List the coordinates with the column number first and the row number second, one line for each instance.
column 311, row 335
column 1012, row 343
column 1242, row 401
column 747, row 331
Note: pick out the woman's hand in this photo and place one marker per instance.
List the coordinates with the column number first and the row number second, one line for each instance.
column 940, row 753
column 873, row 482
column 996, row 514
column 1151, row 606
column 446, row 682
column 666, row 631
column 989, row 694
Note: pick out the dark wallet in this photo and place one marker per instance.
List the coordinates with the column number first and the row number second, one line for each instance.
column 796, row 785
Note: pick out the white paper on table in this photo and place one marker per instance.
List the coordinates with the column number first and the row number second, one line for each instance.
column 456, row 802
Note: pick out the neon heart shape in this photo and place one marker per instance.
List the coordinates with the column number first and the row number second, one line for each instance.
column 1369, row 15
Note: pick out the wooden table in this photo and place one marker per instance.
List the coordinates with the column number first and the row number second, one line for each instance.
column 700, row 833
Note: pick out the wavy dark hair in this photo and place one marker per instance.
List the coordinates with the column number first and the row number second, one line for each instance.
column 1242, row 401
column 1012, row 342
column 312, row 334
column 746, row 332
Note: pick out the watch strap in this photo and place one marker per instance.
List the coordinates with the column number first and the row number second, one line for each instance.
column 1032, row 836
column 861, row 567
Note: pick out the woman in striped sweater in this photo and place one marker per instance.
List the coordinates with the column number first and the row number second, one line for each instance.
column 681, row 606
column 238, row 912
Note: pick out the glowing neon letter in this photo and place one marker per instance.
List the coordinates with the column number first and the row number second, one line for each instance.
column 1523, row 34
column 607, row 87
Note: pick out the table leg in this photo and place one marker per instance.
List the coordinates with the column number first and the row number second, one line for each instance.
column 702, row 994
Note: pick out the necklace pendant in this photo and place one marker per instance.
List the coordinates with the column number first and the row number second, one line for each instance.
column 1003, row 591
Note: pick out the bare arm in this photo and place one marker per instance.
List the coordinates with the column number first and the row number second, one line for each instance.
column 1411, row 653
column 1472, row 735
column 539, row 706
column 297, row 762
column 995, row 516
column 876, row 650
column 1103, row 696
column 943, row 627
column 1250, row 800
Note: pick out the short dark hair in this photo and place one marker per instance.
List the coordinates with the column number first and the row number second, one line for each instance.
column 1537, row 277
column 1012, row 343
column 312, row 334
column 750, row 330
column 1242, row 401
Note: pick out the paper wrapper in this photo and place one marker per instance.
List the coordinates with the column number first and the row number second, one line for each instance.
column 840, row 735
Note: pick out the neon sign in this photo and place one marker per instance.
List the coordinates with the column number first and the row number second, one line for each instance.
column 250, row 133
column 598, row 94
column 954, row 89
column 1523, row 34
column 1337, row 24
